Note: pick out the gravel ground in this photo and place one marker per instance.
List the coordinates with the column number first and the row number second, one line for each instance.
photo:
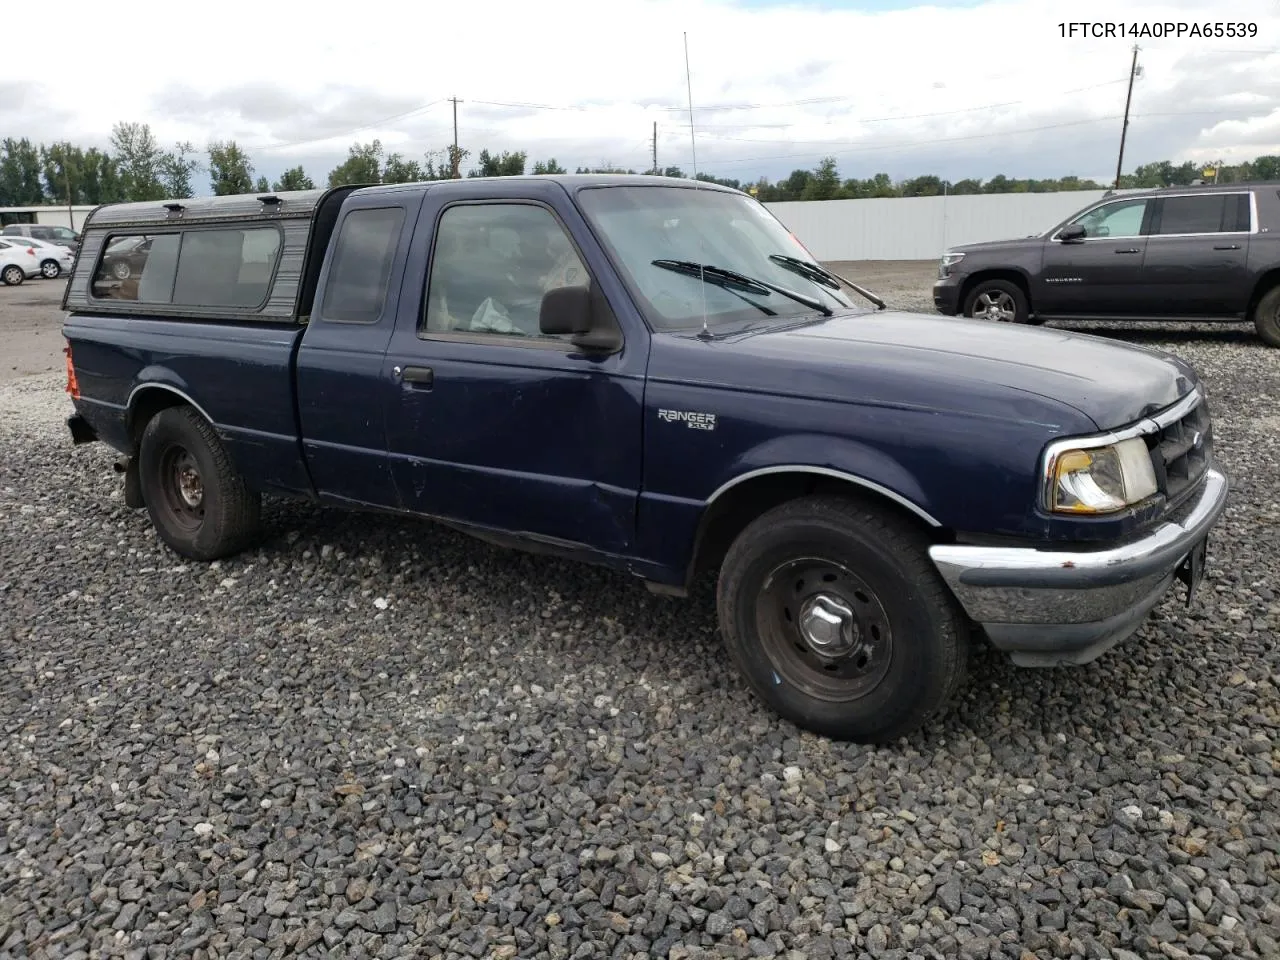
column 376, row 739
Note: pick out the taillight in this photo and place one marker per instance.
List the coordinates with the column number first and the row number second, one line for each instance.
column 73, row 387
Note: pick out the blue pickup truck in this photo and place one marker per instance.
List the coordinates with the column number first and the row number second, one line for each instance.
column 653, row 375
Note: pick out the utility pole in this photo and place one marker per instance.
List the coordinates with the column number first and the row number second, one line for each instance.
column 1133, row 69
column 655, row 148
column 66, row 176
column 454, row 157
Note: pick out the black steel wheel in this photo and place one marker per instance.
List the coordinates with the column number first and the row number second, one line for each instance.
column 197, row 500
column 826, row 631
column 836, row 617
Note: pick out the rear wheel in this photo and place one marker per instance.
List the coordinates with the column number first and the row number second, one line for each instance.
column 197, row 501
column 12, row 276
column 834, row 614
column 1266, row 317
column 1001, row 301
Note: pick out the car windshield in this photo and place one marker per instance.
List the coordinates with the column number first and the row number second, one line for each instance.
column 713, row 228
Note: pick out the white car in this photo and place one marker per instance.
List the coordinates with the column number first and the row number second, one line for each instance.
column 55, row 259
column 18, row 261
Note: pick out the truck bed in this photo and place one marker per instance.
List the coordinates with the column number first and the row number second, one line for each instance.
column 244, row 372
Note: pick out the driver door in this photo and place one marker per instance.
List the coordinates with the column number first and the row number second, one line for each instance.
column 489, row 421
column 1101, row 274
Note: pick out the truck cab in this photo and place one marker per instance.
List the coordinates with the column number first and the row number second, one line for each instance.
column 655, row 376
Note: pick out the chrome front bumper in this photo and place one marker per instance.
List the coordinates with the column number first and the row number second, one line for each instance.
column 1050, row 607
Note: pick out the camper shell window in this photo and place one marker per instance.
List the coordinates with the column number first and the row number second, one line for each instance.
column 200, row 266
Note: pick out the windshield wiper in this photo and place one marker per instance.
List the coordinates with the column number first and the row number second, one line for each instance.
column 825, row 277
column 730, row 279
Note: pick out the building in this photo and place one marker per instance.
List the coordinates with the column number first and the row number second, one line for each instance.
column 72, row 217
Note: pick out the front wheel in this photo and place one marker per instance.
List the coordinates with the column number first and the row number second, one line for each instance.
column 1000, row 301
column 835, row 616
column 197, row 501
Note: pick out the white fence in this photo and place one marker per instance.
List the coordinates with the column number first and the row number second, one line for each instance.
column 920, row 228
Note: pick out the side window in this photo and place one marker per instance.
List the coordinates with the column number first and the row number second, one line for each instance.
column 128, row 271
column 1122, row 219
column 217, row 267
column 491, row 266
column 356, row 288
column 64, row 233
column 225, row 268
column 1207, row 214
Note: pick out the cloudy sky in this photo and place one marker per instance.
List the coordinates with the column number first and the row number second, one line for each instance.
column 959, row 89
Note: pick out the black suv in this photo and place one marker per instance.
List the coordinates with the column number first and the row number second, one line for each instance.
column 1198, row 253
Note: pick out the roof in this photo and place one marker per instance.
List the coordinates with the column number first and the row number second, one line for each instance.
column 303, row 203
column 1200, row 188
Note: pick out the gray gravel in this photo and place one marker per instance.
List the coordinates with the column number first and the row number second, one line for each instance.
column 377, row 739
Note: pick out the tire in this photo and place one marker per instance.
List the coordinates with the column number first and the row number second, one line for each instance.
column 12, row 276
column 50, row 269
column 997, row 300
column 1266, row 317
column 207, row 516
column 910, row 652
column 121, row 270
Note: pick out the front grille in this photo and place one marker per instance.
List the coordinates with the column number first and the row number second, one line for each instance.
column 1181, row 452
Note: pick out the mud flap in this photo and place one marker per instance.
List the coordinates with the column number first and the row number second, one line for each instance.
column 1191, row 571
column 132, row 482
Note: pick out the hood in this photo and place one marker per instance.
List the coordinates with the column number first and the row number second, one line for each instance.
column 987, row 369
column 993, row 244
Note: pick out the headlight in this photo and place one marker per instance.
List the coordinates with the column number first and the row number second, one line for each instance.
column 1100, row 480
column 949, row 260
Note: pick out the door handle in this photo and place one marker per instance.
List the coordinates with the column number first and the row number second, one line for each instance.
column 420, row 375
column 1228, row 246
column 1127, row 250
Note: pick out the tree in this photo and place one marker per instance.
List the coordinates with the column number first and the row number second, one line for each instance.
column 548, row 167
column 295, row 178
column 363, row 165
column 396, row 169
column 63, row 167
column 507, row 165
column 824, row 184
column 230, row 171
column 20, row 171
column 177, row 170
column 139, row 161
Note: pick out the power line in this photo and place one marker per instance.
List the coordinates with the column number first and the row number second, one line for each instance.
column 347, row 133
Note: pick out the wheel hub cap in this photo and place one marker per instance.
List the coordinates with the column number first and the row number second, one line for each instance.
column 828, row 626
column 190, row 487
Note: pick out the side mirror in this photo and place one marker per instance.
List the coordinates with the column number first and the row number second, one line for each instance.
column 1072, row 233
column 576, row 312
column 565, row 310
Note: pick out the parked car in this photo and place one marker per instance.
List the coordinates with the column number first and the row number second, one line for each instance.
column 18, row 261
column 55, row 259
column 1199, row 253
column 652, row 375
column 124, row 258
column 53, row 233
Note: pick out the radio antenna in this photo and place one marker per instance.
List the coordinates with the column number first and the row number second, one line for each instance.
column 705, row 334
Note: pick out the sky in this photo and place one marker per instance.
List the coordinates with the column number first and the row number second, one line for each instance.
column 957, row 89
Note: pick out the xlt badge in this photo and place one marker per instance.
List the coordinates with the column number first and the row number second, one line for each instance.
column 694, row 419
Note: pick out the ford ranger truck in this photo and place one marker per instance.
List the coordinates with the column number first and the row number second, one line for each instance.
column 652, row 375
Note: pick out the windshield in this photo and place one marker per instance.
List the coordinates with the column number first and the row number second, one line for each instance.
column 640, row 224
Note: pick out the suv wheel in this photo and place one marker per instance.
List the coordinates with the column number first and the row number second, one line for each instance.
column 834, row 613
column 997, row 300
column 1266, row 317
